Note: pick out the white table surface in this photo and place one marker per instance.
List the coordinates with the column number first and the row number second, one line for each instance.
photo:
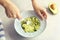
column 52, row 31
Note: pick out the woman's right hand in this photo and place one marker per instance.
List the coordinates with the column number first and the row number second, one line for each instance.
column 11, row 10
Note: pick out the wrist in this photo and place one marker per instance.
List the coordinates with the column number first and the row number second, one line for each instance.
column 33, row 0
column 4, row 3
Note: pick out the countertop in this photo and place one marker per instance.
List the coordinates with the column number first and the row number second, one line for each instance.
column 52, row 31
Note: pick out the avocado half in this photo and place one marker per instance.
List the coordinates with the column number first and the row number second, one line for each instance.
column 53, row 8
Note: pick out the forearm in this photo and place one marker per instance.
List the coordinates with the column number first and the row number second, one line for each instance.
column 35, row 5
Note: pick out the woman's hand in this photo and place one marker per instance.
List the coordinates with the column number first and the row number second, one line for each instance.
column 39, row 10
column 43, row 13
column 11, row 10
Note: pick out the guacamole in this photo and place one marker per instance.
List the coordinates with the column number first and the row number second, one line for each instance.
column 30, row 24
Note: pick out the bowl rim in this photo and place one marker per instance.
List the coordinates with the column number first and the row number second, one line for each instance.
column 29, row 36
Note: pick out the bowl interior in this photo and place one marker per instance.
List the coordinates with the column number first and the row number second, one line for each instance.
column 19, row 29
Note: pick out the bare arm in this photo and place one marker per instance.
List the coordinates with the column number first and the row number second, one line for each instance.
column 39, row 10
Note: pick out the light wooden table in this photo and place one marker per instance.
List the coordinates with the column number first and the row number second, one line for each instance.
column 52, row 31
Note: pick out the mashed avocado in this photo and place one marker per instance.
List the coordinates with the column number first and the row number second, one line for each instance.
column 30, row 24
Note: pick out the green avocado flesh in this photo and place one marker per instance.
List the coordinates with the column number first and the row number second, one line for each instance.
column 53, row 8
column 30, row 24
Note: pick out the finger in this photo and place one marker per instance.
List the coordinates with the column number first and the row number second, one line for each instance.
column 44, row 13
column 45, row 16
column 11, row 15
column 6, row 12
column 8, row 16
column 19, row 16
column 39, row 13
column 14, row 15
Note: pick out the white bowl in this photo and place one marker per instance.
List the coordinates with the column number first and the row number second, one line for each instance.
column 20, row 31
